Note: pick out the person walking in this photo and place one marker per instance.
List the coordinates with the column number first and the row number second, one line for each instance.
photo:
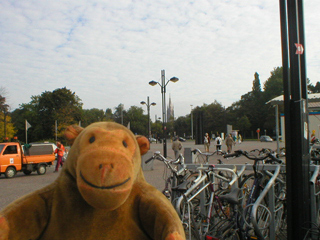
column 229, row 143
column 218, row 142
column 176, row 147
column 206, row 142
column 60, row 152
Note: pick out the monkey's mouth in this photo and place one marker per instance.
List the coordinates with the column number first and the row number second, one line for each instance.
column 103, row 187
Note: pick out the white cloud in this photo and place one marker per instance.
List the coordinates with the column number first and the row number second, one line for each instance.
column 108, row 51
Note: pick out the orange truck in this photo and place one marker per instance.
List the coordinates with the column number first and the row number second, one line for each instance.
column 15, row 158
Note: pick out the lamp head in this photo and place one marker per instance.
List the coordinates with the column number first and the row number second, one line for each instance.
column 153, row 83
column 142, row 102
column 174, row 79
column 153, row 104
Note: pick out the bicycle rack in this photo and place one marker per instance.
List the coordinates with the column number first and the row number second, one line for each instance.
column 272, row 171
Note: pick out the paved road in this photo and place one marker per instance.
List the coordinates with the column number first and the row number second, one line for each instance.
column 11, row 189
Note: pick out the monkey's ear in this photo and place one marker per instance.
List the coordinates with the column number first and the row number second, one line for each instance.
column 72, row 132
column 143, row 143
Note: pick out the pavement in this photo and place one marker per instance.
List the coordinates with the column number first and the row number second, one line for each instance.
column 159, row 172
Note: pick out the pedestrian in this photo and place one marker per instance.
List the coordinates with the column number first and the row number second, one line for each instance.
column 229, row 143
column 206, row 142
column 176, row 147
column 239, row 138
column 60, row 152
column 218, row 142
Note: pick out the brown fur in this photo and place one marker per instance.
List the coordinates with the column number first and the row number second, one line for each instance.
column 101, row 193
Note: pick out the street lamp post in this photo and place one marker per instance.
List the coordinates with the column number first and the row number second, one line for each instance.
column 191, row 123
column 122, row 113
column 148, row 109
column 163, row 92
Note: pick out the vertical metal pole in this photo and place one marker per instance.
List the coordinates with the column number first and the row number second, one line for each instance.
column 277, row 127
column 122, row 114
column 296, row 119
column 56, row 129
column 164, row 120
column 26, row 131
column 5, row 123
column 148, row 108
column 191, row 123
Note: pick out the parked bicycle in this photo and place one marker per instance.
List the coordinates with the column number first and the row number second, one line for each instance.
column 177, row 177
column 251, row 216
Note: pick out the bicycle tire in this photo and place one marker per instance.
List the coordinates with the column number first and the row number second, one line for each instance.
column 246, row 186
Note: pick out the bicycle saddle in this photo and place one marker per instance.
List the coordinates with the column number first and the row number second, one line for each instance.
column 181, row 187
column 231, row 197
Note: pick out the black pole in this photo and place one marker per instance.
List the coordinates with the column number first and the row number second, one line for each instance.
column 296, row 119
column 164, row 118
column 148, row 109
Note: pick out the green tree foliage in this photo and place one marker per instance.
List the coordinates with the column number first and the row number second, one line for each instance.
column 119, row 113
column 273, row 87
column 182, row 126
column 243, row 124
column 109, row 115
column 138, row 121
column 61, row 106
column 6, row 124
column 156, row 129
column 20, row 115
column 92, row 115
column 314, row 89
column 7, row 129
column 253, row 105
column 211, row 116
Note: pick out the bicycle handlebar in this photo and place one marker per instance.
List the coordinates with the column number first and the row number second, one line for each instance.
column 157, row 155
column 150, row 159
column 238, row 153
column 235, row 154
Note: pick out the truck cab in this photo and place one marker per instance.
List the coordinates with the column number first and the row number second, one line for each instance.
column 10, row 155
column 13, row 158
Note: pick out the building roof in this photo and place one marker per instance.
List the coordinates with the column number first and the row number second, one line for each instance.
column 313, row 100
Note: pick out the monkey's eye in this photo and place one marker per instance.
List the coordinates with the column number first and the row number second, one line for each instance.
column 124, row 143
column 92, row 139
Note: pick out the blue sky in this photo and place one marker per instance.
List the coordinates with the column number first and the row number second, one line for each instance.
column 107, row 51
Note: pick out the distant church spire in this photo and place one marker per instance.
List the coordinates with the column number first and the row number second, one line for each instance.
column 170, row 110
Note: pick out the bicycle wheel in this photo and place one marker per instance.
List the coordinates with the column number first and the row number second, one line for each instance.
column 220, row 229
column 246, row 186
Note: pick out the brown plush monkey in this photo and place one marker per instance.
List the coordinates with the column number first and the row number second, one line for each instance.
column 100, row 193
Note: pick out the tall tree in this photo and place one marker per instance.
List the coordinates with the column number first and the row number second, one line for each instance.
column 61, row 106
column 314, row 89
column 182, row 126
column 9, row 131
column 119, row 113
column 273, row 87
column 92, row 115
column 6, row 128
column 138, row 121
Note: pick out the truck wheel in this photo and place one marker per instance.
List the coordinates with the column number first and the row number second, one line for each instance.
column 10, row 172
column 27, row 172
column 41, row 169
